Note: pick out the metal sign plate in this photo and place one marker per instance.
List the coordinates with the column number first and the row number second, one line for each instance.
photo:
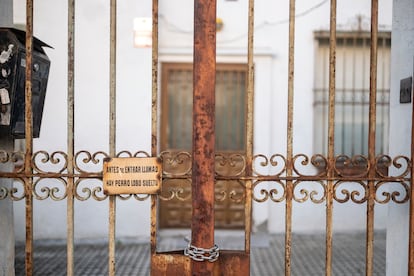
column 132, row 175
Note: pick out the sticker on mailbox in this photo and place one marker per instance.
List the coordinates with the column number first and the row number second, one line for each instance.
column 135, row 175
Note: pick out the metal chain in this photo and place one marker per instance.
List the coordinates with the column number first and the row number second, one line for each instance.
column 201, row 254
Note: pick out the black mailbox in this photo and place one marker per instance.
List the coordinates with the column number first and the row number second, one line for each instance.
column 12, row 82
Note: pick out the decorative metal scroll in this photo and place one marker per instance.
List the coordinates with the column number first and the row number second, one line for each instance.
column 310, row 178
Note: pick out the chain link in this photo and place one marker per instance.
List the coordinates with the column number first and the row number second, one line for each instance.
column 201, row 254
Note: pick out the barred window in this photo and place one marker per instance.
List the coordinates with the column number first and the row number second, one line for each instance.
column 352, row 92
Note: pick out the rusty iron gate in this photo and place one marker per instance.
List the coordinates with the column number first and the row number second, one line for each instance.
column 202, row 257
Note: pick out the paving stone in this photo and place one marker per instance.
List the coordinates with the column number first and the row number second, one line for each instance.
column 267, row 255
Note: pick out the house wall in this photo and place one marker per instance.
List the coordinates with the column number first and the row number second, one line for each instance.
column 134, row 92
column 402, row 66
column 92, row 108
column 6, row 206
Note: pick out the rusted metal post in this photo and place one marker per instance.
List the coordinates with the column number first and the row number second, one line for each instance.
column 202, row 225
column 112, row 132
column 289, row 151
column 331, row 140
column 70, row 217
column 371, row 139
column 249, row 129
column 154, row 118
column 28, row 181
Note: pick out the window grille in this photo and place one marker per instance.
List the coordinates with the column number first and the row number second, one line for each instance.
column 352, row 92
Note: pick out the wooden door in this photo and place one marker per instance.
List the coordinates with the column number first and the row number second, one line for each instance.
column 176, row 135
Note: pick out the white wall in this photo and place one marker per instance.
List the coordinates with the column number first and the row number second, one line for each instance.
column 92, row 109
column 274, row 34
column 402, row 57
column 134, row 89
column 6, row 206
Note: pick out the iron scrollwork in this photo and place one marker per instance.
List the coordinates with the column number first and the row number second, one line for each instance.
column 395, row 195
column 275, row 194
column 354, row 195
column 307, row 193
column 49, row 173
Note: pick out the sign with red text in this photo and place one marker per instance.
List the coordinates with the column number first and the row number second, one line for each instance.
column 135, row 175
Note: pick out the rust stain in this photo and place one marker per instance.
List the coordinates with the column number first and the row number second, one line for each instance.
column 230, row 263
column 204, row 71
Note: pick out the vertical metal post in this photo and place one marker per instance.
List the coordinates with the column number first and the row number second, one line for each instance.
column 70, row 138
column 29, row 138
column 289, row 152
column 112, row 133
column 202, row 225
column 371, row 138
column 154, row 116
column 411, row 222
column 331, row 138
column 249, row 128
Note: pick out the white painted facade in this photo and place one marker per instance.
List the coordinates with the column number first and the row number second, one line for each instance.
column 134, row 97
column 402, row 55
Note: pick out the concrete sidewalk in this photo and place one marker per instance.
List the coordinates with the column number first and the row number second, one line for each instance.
column 267, row 255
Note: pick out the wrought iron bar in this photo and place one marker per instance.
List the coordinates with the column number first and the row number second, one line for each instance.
column 371, row 137
column 204, row 78
column 249, row 128
column 362, row 112
column 263, row 178
column 70, row 139
column 29, row 138
column 154, row 118
column 289, row 152
column 354, row 93
column 331, row 138
column 385, row 78
column 112, row 132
